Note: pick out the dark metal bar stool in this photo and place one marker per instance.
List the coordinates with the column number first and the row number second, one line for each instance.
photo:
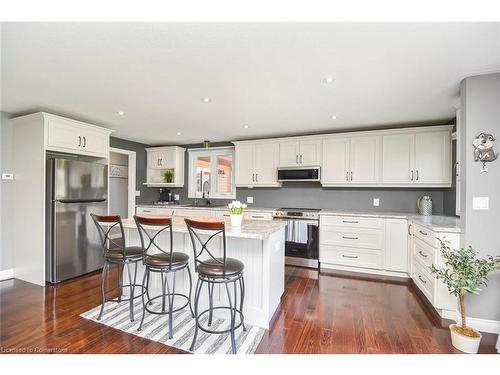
column 163, row 262
column 115, row 252
column 216, row 270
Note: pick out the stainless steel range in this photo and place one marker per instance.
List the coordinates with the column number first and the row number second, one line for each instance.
column 302, row 235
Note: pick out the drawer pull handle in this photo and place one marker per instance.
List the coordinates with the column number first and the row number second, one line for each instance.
column 422, row 232
column 350, row 256
column 257, row 217
column 350, row 221
column 421, row 253
column 422, row 280
column 349, row 238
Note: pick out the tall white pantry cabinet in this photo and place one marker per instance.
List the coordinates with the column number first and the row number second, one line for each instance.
column 33, row 136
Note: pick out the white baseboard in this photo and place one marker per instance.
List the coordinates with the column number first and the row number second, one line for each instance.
column 371, row 271
column 483, row 325
column 7, row 274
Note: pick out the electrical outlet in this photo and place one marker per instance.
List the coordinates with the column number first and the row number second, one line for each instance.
column 480, row 203
column 249, row 199
column 137, row 193
column 176, row 197
column 7, row 176
column 376, row 202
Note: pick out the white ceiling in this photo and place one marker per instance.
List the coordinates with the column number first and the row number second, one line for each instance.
column 267, row 76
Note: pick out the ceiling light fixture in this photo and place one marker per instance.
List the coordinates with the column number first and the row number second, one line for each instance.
column 179, row 133
column 120, row 113
column 245, row 126
column 328, row 80
column 205, row 100
column 333, row 117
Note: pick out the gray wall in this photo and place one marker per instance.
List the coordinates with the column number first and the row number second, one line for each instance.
column 6, row 163
column 312, row 195
column 147, row 194
column 480, row 106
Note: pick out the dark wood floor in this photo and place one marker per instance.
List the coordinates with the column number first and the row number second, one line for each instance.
column 318, row 314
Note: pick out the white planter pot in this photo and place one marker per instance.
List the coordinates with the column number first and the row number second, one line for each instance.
column 236, row 220
column 463, row 343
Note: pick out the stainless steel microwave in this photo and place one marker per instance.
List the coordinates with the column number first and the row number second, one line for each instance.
column 299, row 174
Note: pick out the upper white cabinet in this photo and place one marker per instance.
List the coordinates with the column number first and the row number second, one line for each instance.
column 433, row 158
column 418, row 157
column 163, row 159
column 66, row 135
column 300, row 152
column 365, row 160
column 351, row 161
column 335, row 166
column 256, row 163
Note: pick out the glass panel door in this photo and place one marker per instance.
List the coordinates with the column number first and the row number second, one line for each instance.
column 203, row 171
column 224, row 174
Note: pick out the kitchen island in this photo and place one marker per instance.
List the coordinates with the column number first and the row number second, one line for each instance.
column 260, row 245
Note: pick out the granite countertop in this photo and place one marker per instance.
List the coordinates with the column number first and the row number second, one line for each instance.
column 214, row 208
column 251, row 229
column 437, row 223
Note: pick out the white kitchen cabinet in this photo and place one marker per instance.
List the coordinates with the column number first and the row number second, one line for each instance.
column 289, row 153
column 244, row 155
column 335, row 166
column 424, row 253
column 300, row 152
column 256, row 164
column 66, row 135
column 398, row 158
column 351, row 161
column 432, row 158
column 364, row 160
column 396, row 245
column 364, row 244
column 159, row 159
column 418, row 157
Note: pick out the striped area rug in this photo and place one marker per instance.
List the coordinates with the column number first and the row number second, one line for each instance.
column 155, row 327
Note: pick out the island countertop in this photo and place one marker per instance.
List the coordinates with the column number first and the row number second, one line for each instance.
column 251, row 229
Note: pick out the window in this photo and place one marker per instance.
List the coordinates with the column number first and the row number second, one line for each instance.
column 211, row 171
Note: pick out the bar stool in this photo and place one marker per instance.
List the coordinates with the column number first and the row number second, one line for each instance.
column 216, row 270
column 163, row 262
column 115, row 252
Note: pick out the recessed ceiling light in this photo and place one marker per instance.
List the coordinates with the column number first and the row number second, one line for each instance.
column 245, row 126
column 179, row 133
column 205, row 100
column 121, row 113
column 328, row 80
column 333, row 117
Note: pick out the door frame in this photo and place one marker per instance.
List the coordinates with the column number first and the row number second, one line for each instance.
column 131, row 177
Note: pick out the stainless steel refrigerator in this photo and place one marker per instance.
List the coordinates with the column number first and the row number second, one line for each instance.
column 75, row 189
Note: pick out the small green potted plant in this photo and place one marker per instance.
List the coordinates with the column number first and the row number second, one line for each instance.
column 168, row 175
column 236, row 209
column 464, row 272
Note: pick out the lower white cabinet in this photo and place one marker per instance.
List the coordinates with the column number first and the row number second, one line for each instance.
column 364, row 244
column 424, row 252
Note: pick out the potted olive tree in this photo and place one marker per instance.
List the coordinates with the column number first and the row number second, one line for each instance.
column 464, row 273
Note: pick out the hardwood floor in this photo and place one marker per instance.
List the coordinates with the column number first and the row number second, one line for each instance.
column 318, row 314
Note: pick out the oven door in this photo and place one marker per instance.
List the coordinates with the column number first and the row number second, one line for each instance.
column 301, row 242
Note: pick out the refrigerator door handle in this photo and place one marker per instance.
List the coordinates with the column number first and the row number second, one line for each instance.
column 80, row 200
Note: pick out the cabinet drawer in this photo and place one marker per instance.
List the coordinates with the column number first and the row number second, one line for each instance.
column 164, row 211
column 258, row 215
column 352, row 237
column 353, row 221
column 424, row 280
column 424, row 234
column 146, row 211
column 424, row 252
column 356, row 257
